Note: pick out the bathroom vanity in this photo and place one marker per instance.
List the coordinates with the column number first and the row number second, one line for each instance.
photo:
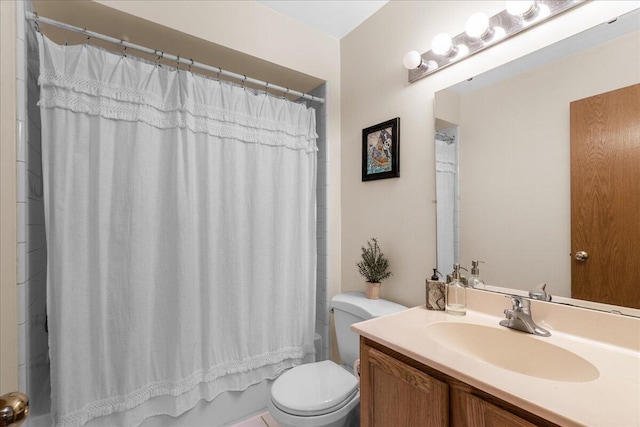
column 428, row 368
column 397, row 390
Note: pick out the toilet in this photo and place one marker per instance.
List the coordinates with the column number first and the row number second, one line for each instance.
column 325, row 394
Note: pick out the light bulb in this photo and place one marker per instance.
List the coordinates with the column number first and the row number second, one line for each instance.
column 498, row 33
column 477, row 25
column 543, row 12
column 441, row 44
column 462, row 50
column 432, row 65
column 520, row 7
column 412, row 60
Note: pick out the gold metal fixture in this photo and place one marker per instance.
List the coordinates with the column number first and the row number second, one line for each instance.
column 14, row 409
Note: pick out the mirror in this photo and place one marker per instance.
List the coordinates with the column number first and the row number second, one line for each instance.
column 503, row 160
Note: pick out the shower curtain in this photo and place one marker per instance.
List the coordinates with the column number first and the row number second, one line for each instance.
column 180, row 217
column 445, row 208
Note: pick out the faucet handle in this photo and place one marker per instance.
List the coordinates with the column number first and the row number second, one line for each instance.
column 519, row 303
column 540, row 293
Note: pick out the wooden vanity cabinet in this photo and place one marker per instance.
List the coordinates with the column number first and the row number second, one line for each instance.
column 398, row 394
column 396, row 390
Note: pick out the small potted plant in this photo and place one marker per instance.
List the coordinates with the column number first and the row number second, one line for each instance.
column 374, row 267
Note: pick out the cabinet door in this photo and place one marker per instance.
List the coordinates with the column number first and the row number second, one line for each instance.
column 481, row 413
column 393, row 393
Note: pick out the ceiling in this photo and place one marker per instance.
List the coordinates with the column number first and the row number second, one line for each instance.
column 334, row 17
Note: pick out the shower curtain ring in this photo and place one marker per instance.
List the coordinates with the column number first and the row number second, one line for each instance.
column 178, row 63
column 244, row 79
column 35, row 21
column 191, row 65
column 159, row 57
column 266, row 86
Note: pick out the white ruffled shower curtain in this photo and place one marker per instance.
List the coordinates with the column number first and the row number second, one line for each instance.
column 180, row 217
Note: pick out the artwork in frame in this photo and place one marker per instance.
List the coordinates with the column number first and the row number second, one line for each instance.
column 381, row 150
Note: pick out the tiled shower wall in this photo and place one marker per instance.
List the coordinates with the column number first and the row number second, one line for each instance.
column 322, row 296
column 33, row 359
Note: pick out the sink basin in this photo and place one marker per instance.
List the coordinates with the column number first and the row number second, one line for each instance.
column 514, row 351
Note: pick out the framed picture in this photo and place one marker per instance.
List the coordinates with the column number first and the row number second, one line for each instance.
column 381, row 150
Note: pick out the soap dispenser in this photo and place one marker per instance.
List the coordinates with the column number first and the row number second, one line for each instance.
column 456, row 295
column 435, row 292
column 475, row 281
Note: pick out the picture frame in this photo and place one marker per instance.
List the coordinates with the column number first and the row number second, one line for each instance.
column 381, row 150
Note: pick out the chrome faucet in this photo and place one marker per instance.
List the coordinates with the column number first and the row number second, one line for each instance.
column 519, row 318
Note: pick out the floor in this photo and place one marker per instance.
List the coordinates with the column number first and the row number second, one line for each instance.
column 262, row 420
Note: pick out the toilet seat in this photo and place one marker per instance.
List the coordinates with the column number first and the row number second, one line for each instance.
column 314, row 389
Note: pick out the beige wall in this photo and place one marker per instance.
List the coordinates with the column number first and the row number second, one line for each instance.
column 515, row 178
column 446, row 109
column 257, row 30
column 401, row 211
column 8, row 282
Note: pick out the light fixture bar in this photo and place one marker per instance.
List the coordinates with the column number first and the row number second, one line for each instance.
column 502, row 26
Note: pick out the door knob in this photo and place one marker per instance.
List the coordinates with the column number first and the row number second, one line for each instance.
column 582, row 256
column 14, row 409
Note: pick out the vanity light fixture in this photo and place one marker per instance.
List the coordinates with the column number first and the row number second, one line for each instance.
column 482, row 32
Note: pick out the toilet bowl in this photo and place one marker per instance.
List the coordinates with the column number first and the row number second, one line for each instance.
column 314, row 395
column 325, row 394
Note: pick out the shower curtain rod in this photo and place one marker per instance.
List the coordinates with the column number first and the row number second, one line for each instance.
column 32, row 16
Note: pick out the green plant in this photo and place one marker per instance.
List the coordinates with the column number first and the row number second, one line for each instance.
column 373, row 266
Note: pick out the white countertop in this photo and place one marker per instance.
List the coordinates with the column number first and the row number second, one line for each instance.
column 612, row 399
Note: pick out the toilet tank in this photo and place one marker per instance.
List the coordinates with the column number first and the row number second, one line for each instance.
column 353, row 307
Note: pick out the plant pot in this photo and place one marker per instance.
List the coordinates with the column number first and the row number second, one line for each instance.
column 373, row 290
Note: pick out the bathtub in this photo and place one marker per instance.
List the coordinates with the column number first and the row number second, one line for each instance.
column 227, row 409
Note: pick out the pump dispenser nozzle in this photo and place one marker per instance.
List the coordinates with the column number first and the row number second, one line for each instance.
column 456, row 271
column 474, row 266
column 475, row 281
column 457, row 275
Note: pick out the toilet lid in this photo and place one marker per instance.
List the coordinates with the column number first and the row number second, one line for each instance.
column 313, row 389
